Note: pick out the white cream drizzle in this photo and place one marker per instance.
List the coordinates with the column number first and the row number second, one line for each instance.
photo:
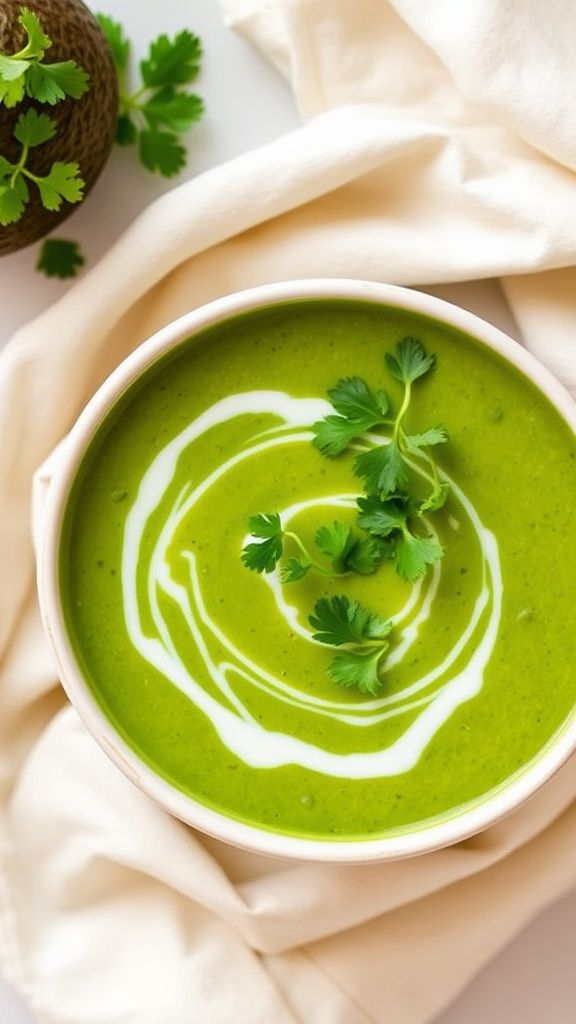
column 435, row 695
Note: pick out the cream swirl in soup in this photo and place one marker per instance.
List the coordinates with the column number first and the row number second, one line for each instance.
column 152, row 569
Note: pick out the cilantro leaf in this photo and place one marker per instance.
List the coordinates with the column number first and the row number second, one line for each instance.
column 366, row 555
column 381, row 516
column 25, row 73
column 126, row 130
column 414, row 554
column 383, row 468
column 265, row 524
column 117, row 40
column 38, row 42
column 341, row 621
column 262, row 555
column 11, row 92
column 32, row 128
column 336, row 542
column 334, row 433
column 51, row 83
column 436, row 499
column 358, row 670
column 294, row 570
column 434, row 435
column 353, row 399
column 174, row 110
column 359, row 409
column 13, row 199
column 59, row 257
column 410, row 361
column 161, row 151
column 157, row 112
column 347, row 551
column 12, row 69
column 338, row 620
column 62, row 182
column 172, row 61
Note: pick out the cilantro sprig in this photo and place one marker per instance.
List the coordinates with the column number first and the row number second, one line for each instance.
column 154, row 115
column 25, row 73
column 340, row 622
column 386, row 467
column 62, row 183
column 343, row 548
column 392, row 514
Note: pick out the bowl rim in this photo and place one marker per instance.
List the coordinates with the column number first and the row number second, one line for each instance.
column 470, row 820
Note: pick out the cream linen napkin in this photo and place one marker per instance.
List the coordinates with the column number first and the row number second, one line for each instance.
column 438, row 147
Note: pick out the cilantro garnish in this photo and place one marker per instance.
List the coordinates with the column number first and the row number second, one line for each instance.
column 390, row 518
column 59, row 257
column 263, row 554
column 410, row 361
column 340, row 622
column 414, row 554
column 358, row 408
column 391, row 515
column 345, row 550
column 62, row 183
column 159, row 110
column 385, row 468
column 294, row 570
column 26, row 74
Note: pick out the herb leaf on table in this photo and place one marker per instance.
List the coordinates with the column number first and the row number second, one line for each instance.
column 154, row 115
column 59, row 257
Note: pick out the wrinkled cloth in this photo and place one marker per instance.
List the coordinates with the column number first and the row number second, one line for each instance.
column 438, row 145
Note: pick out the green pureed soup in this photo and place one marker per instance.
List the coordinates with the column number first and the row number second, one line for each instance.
column 209, row 671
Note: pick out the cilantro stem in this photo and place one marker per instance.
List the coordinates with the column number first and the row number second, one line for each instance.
column 129, row 101
column 397, row 434
column 315, row 565
column 19, row 168
column 27, row 52
column 138, row 93
column 403, row 410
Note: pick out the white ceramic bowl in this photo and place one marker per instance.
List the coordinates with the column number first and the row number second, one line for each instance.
column 423, row 839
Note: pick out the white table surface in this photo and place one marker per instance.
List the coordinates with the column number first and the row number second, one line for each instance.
column 533, row 980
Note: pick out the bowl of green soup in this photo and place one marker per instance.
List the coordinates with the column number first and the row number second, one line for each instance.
column 306, row 573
